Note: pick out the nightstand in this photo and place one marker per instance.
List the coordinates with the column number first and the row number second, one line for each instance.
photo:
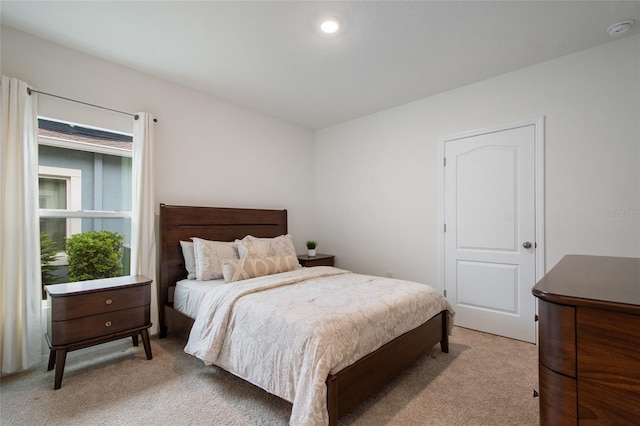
column 87, row 313
column 317, row 260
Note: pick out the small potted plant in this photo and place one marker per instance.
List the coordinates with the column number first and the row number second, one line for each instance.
column 311, row 248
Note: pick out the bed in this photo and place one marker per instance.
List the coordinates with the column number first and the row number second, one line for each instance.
column 346, row 387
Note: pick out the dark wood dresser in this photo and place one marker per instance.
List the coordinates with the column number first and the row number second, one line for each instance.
column 88, row 313
column 317, row 260
column 589, row 341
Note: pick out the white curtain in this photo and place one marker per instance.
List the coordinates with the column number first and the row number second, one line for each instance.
column 21, row 333
column 143, row 241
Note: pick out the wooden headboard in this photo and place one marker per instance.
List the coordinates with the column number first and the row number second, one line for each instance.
column 180, row 223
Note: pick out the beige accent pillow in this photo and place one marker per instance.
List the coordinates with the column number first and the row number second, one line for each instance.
column 251, row 247
column 210, row 255
column 242, row 269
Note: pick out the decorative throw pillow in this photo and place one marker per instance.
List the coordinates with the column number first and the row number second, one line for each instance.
column 209, row 256
column 189, row 259
column 251, row 247
column 242, row 269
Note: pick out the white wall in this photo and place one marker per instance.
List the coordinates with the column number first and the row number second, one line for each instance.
column 208, row 151
column 377, row 178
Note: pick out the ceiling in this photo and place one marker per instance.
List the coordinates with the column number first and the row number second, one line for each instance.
column 269, row 55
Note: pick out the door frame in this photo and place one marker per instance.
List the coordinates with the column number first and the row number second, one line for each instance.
column 538, row 123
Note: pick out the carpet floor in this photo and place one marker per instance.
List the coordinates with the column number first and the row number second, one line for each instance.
column 483, row 380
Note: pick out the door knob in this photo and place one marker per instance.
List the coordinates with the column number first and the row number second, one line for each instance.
column 526, row 244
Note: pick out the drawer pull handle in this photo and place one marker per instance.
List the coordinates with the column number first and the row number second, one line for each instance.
column 107, row 324
column 109, row 301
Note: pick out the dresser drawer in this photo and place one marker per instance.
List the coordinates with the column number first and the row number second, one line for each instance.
column 75, row 330
column 81, row 305
column 558, row 398
column 557, row 334
column 608, row 368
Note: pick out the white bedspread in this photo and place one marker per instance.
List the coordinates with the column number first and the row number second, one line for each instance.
column 188, row 295
column 310, row 322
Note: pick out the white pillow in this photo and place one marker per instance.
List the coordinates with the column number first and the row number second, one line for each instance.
column 242, row 269
column 251, row 247
column 189, row 259
column 210, row 255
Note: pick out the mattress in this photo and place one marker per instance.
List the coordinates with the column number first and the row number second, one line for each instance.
column 287, row 332
column 188, row 295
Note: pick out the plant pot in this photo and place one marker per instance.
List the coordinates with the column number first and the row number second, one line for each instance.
column 311, row 252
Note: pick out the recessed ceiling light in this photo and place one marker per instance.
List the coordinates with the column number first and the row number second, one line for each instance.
column 620, row 27
column 330, row 26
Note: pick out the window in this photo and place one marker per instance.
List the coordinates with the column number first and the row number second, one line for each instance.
column 60, row 189
column 85, row 184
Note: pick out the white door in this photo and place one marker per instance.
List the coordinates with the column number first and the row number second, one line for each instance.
column 490, row 230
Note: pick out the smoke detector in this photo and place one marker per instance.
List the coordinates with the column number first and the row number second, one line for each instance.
column 620, row 27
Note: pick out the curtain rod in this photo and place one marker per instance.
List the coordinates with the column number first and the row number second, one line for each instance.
column 135, row 116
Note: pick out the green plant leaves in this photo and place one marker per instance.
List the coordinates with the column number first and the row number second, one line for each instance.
column 94, row 255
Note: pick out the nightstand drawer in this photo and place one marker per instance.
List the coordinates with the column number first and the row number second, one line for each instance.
column 318, row 260
column 81, row 305
column 75, row 330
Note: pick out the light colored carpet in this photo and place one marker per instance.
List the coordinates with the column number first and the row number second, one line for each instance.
column 484, row 380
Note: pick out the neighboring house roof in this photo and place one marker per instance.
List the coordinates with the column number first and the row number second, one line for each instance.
column 75, row 133
column 85, row 139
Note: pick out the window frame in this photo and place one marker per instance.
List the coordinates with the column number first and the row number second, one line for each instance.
column 77, row 212
column 74, row 212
